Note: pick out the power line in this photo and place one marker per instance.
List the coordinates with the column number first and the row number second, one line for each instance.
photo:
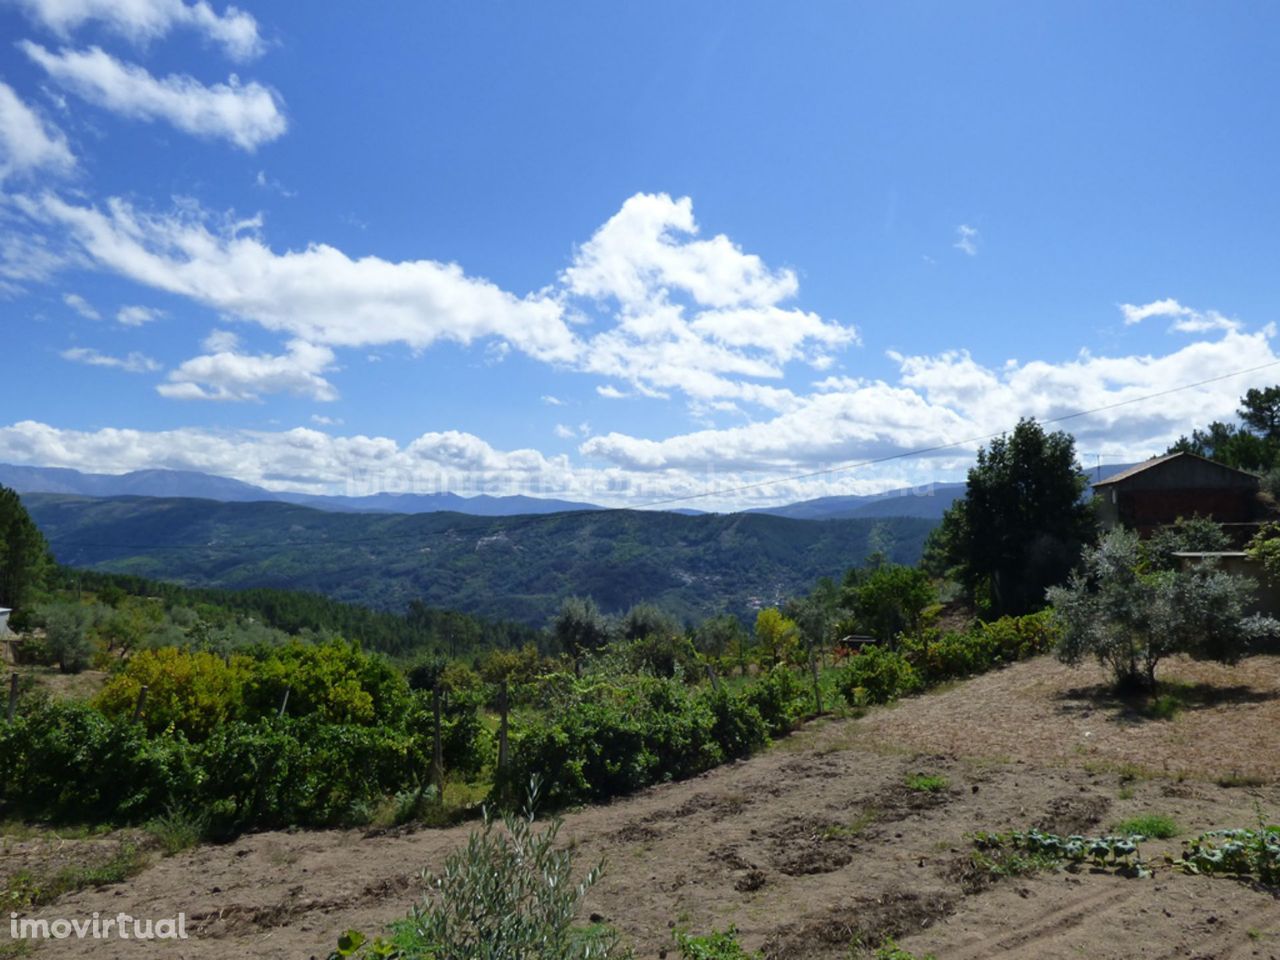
column 500, row 525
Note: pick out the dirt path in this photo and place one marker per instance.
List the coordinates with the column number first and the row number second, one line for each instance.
column 812, row 846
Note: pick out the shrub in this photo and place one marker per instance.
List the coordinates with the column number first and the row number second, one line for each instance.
column 717, row 945
column 192, row 692
column 67, row 640
column 889, row 599
column 878, row 675
column 1130, row 620
column 509, row 894
column 780, row 698
column 605, row 739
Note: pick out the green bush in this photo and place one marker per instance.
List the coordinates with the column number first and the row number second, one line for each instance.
column 197, row 691
column 717, row 945
column 67, row 762
column 605, row 739
column 509, row 894
column 781, row 699
column 878, row 675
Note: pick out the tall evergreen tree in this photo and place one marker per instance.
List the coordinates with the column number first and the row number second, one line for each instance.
column 24, row 556
column 1022, row 523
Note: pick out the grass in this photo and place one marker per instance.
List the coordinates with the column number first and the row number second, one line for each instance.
column 1154, row 825
column 928, row 782
column 178, row 829
column 25, row 889
column 854, row 827
column 21, row 830
column 889, row 950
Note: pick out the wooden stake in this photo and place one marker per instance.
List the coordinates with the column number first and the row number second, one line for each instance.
column 437, row 757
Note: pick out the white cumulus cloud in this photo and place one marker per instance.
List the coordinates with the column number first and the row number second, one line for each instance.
column 227, row 375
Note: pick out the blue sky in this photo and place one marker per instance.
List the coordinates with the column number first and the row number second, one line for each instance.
column 624, row 252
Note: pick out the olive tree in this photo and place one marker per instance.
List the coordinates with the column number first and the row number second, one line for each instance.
column 66, row 626
column 1131, row 620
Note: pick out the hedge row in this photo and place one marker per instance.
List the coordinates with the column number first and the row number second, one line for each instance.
column 880, row 674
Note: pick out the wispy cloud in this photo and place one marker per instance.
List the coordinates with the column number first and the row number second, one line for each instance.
column 133, row 363
column 28, row 143
column 145, row 20
column 136, row 316
column 81, row 306
column 967, row 240
column 1185, row 319
column 246, row 114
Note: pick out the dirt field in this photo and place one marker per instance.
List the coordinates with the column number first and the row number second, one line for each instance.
column 819, row 843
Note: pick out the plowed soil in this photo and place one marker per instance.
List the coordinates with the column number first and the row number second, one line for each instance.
column 820, row 845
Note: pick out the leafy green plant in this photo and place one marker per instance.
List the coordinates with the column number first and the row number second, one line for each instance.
column 1245, row 854
column 717, row 945
column 1118, row 853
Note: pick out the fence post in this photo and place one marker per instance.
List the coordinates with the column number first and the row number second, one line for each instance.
column 142, row 702
column 817, row 685
column 503, row 706
column 711, row 675
column 13, row 695
column 437, row 755
column 284, row 702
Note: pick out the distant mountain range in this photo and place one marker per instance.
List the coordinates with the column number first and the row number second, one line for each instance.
column 929, row 502
column 925, row 502
column 517, row 568
column 204, row 486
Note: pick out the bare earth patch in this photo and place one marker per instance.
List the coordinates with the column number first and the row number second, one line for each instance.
column 821, row 843
column 1045, row 712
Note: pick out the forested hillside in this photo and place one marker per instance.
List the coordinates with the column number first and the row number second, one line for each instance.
column 518, row 568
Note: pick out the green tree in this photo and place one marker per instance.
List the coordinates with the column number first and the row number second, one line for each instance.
column 646, row 620
column 1021, row 524
column 889, row 599
column 775, row 633
column 1230, row 444
column 1131, row 620
column 720, row 636
column 1260, row 411
column 24, row 557
column 66, row 626
column 580, row 628
column 1253, row 444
